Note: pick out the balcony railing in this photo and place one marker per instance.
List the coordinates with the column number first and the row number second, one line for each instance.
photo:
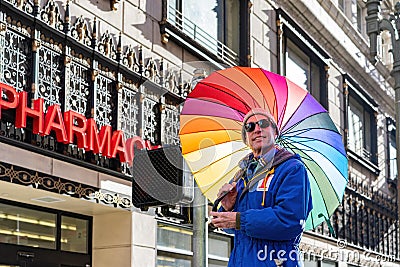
column 200, row 36
column 367, row 219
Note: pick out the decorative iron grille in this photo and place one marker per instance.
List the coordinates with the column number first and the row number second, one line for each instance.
column 367, row 218
column 49, row 76
column 151, row 114
column 103, row 105
column 171, row 125
column 76, row 87
column 129, row 101
column 16, row 59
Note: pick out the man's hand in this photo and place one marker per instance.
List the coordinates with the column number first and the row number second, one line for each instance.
column 228, row 202
column 223, row 220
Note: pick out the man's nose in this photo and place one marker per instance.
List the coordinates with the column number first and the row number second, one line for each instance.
column 257, row 128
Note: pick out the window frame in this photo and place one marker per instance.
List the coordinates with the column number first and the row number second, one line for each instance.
column 316, row 55
column 170, row 30
column 351, row 88
column 342, row 5
column 359, row 17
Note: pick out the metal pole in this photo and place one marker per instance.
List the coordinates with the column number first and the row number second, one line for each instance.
column 374, row 27
column 200, row 234
column 396, row 74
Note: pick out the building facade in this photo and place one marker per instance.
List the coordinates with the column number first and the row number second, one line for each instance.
column 83, row 83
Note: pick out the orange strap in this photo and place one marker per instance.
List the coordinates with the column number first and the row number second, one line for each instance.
column 272, row 171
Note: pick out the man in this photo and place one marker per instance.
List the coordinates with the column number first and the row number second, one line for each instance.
column 267, row 202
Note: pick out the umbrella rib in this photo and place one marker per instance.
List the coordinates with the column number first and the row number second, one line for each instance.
column 209, row 131
column 218, row 180
column 217, row 103
column 338, row 199
column 282, row 114
column 292, row 142
column 260, row 89
column 312, row 219
column 241, row 100
column 311, row 139
column 242, row 149
column 294, row 112
column 299, row 122
column 236, row 140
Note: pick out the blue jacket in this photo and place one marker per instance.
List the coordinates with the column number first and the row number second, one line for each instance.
column 273, row 230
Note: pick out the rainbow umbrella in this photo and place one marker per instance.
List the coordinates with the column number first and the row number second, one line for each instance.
column 211, row 122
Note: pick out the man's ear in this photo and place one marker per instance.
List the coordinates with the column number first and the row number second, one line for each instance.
column 276, row 130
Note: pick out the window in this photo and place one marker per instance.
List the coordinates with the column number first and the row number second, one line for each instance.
column 219, row 250
column 302, row 70
column 166, row 260
column 310, row 260
column 328, row 264
column 362, row 130
column 359, row 18
column 174, row 247
column 175, row 238
column 22, row 226
column 301, row 61
column 41, row 229
column 341, row 4
column 384, row 45
column 75, row 231
column 214, row 24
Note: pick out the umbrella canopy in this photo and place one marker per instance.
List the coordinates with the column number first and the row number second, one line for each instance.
column 212, row 119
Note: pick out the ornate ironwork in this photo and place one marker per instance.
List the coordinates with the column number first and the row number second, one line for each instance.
column 49, row 76
column 129, row 101
column 151, row 71
column 66, row 64
column 171, row 81
column 176, row 83
column 103, row 105
column 84, row 31
column 16, row 59
column 19, row 175
column 80, row 31
column 50, row 14
column 106, row 46
column 151, row 113
column 8, row 130
column 367, row 218
column 26, row 5
column 76, row 86
column 131, row 59
column 112, row 199
column 170, row 125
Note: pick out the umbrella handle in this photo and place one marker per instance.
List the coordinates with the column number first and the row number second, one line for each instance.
column 215, row 207
column 218, row 200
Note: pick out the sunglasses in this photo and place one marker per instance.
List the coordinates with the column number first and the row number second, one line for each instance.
column 250, row 126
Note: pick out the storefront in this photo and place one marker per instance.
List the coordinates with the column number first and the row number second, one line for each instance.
column 46, row 220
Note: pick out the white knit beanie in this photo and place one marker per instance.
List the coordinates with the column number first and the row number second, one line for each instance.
column 253, row 112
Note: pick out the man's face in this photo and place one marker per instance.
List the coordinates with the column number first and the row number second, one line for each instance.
column 260, row 139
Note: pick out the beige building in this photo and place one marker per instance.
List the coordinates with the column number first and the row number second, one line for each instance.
column 124, row 67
